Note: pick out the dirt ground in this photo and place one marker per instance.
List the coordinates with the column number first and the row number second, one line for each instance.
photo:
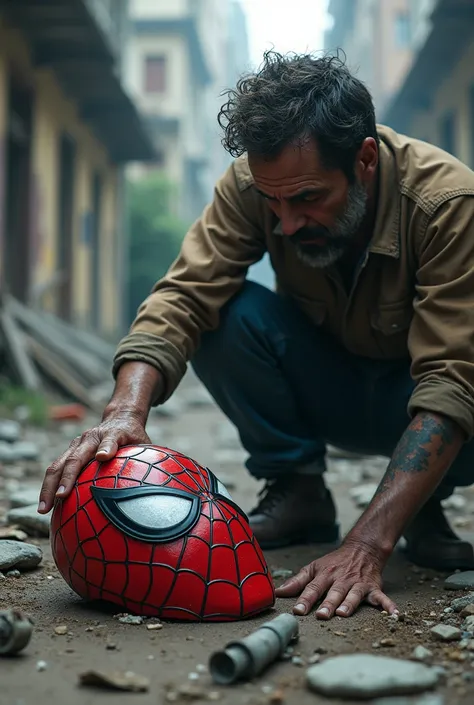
column 95, row 640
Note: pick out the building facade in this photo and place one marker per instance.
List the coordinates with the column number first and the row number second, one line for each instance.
column 67, row 128
column 376, row 38
column 182, row 55
column 436, row 99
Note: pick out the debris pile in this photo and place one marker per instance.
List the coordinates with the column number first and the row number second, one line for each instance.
column 40, row 352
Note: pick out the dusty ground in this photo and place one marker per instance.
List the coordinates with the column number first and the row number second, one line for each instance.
column 168, row 656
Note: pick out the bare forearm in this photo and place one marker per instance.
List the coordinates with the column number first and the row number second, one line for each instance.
column 137, row 385
column 421, row 459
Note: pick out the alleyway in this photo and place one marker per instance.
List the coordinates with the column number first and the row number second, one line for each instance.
column 174, row 657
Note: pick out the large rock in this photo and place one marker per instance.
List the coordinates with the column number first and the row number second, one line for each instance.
column 9, row 430
column 460, row 581
column 22, row 556
column 25, row 497
column 445, row 632
column 28, row 519
column 368, row 676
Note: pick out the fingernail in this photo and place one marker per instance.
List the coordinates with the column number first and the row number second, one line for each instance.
column 299, row 609
column 41, row 506
column 103, row 450
column 323, row 612
column 343, row 608
column 61, row 490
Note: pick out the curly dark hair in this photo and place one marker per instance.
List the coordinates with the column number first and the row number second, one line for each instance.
column 295, row 96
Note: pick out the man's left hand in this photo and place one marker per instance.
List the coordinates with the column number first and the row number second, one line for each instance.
column 347, row 576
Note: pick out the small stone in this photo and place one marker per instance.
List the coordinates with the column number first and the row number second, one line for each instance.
column 25, row 450
column 117, row 680
column 201, row 668
column 28, row 519
column 468, row 610
column 110, row 646
column 2, row 576
column 460, row 581
column 388, row 642
column 282, row 574
column 154, row 627
column 193, row 676
column 320, row 650
column 61, row 630
column 297, row 661
column 461, row 602
column 444, row 632
column 315, row 658
column 130, row 619
column 468, row 624
column 448, row 610
column 13, row 573
column 12, row 532
column 421, row 653
column 22, row 556
column 41, row 665
column 369, row 676
column 429, row 699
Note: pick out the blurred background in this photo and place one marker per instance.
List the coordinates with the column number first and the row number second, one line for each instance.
column 109, row 142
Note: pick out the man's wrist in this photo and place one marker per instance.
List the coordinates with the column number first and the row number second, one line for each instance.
column 377, row 546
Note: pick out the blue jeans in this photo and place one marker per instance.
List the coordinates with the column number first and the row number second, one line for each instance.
column 290, row 389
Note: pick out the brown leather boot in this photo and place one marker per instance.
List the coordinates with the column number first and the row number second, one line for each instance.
column 294, row 509
column 431, row 543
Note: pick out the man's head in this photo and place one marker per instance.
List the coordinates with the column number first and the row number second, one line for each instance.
column 309, row 129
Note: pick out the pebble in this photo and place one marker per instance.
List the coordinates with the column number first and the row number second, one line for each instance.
column 282, row 574
column 421, row 653
column 369, row 676
column 61, row 630
column 460, row 581
column 430, row 699
column 13, row 573
column 461, row 602
column 9, row 430
column 41, row 665
column 468, row 610
column 22, row 556
column 468, row 624
column 297, row 661
column 130, row 619
column 26, row 450
column 444, row 632
column 27, row 518
column 153, row 627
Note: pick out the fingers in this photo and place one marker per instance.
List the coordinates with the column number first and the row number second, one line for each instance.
column 311, row 595
column 107, row 449
column 352, row 600
column 296, row 584
column 61, row 475
column 377, row 598
column 336, row 596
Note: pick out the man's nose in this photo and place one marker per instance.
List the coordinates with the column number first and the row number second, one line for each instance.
column 291, row 222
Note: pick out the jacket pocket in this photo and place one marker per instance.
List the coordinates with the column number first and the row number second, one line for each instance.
column 393, row 319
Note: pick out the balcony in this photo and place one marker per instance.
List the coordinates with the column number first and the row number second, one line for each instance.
column 66, row 37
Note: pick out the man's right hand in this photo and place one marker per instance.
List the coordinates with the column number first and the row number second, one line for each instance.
column 100, row 443
column 123, row 423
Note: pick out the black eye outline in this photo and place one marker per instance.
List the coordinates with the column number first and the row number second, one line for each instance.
column 109, row 500
column 214, row 482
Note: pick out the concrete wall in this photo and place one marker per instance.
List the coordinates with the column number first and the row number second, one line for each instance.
column 452, row 97
column 53, row 114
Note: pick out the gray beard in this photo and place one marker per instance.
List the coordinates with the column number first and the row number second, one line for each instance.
column 344, row 231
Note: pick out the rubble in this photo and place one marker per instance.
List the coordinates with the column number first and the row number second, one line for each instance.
column 421, row 653
column 459, row 603
column 444, row 632
column 9, row 430
column 368, row 676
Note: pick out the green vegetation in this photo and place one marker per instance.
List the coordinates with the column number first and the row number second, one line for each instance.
column 155, row 236
column 11, row 398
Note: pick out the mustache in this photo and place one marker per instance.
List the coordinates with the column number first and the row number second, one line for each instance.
column 315, row 232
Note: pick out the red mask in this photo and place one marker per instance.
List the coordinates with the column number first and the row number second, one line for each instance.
column 157, row 534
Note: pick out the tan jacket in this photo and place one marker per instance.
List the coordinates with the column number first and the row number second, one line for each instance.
column 413, row 295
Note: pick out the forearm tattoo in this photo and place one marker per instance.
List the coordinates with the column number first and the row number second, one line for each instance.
column 426, row 438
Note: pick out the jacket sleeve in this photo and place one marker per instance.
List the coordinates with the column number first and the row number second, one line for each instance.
column 441, row 337
column 212, row 265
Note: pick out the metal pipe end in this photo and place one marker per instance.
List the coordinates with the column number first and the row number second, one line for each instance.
column 228, row 666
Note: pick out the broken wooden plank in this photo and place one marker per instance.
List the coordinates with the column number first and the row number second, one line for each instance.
column 16, row 350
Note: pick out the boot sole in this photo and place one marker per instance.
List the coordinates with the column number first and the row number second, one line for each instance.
column 320, row 534
column 442, row 565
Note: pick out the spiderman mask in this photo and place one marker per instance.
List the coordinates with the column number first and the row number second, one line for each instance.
column 159, row 535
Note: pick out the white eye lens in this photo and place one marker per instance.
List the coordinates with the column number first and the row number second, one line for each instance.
column 156, row 511
column 222, row 489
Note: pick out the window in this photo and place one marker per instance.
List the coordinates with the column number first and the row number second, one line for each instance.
column 402, row 29
column 447, row 133
column 155, row 74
